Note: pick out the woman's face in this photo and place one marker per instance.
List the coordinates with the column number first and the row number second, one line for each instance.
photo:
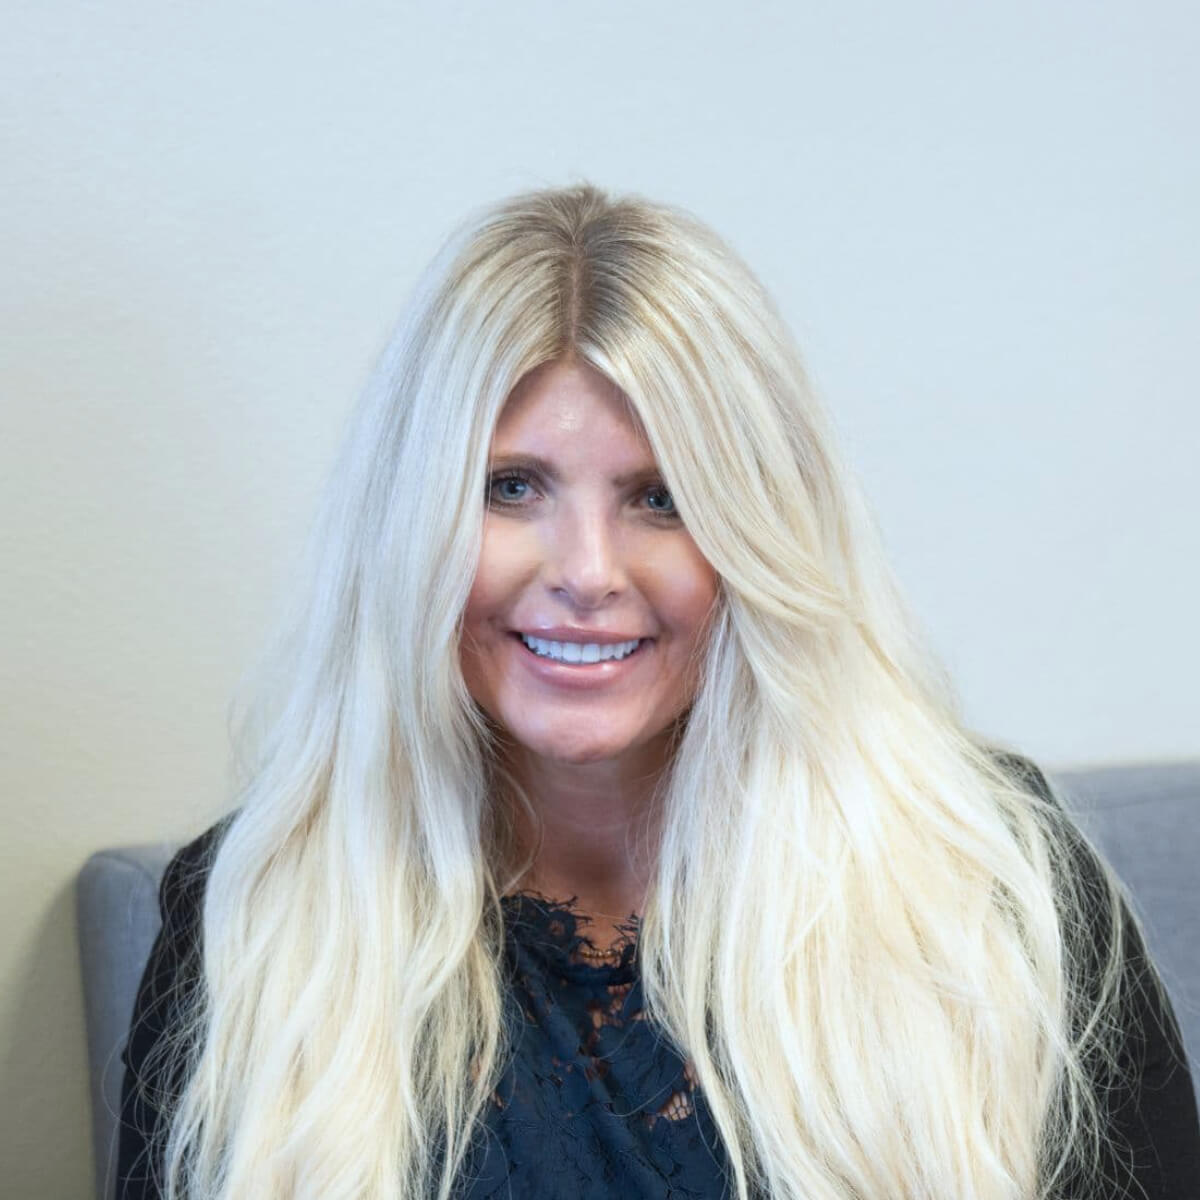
column 583, row 547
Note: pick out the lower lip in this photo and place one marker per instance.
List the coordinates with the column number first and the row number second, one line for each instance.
column 582, row 675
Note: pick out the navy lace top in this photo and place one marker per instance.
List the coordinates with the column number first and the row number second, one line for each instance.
column 593, row 1103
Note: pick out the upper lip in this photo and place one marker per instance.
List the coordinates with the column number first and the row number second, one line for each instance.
column 571, row 633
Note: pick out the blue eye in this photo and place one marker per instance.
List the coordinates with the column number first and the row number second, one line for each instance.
column 512, row 477
column 524, row 480
column 663, row 491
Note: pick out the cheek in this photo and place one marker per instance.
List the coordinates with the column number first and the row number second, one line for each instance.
column 478, row 603
column 488, row 587
column 474, row 640
column 500, row 576
column 688, row 586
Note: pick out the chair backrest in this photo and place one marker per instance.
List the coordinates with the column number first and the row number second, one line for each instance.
column 116, row 900
column 1146, row 820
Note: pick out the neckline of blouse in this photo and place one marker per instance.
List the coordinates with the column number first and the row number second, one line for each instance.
column 555, row 929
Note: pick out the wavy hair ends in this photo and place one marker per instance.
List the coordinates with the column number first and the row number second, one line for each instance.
column 867, row 929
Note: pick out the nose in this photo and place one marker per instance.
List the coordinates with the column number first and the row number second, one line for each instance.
column 585, row 558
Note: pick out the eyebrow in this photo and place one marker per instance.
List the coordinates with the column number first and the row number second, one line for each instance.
column 533, row 463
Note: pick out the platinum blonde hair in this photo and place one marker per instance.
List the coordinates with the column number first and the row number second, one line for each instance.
column 869, row 928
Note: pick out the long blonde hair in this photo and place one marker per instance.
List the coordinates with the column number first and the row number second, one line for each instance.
column 869, row 928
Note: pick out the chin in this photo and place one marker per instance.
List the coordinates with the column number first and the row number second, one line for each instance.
column 580, row 755
column 569, row 750
column 583, row 757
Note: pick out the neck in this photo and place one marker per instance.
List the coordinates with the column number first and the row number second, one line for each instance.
column 597, row 826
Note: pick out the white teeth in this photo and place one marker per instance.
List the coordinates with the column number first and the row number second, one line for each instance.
column 574, row 652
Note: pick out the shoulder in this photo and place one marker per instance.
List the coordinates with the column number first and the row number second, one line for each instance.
column 1025, row 771
column 173, row 967
column 1153, row 1036
column 1148, row 1087
column 189, row 865
column 182, row 887
column 1085, row 886
column 1084, row 858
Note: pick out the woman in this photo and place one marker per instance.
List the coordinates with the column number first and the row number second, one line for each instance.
column 741, row 909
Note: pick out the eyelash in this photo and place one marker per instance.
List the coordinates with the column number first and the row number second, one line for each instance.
column 528, row 479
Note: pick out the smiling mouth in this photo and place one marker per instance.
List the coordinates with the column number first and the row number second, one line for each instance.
column 550, row 658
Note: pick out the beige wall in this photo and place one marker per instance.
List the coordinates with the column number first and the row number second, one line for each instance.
column 982, row 228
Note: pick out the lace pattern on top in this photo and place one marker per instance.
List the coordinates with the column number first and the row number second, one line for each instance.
column 556, row 929
column 595, row 1101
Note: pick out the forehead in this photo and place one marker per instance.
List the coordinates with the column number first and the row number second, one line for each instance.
column 563, row 399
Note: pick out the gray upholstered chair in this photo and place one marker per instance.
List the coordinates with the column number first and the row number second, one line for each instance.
column 1145, row 818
